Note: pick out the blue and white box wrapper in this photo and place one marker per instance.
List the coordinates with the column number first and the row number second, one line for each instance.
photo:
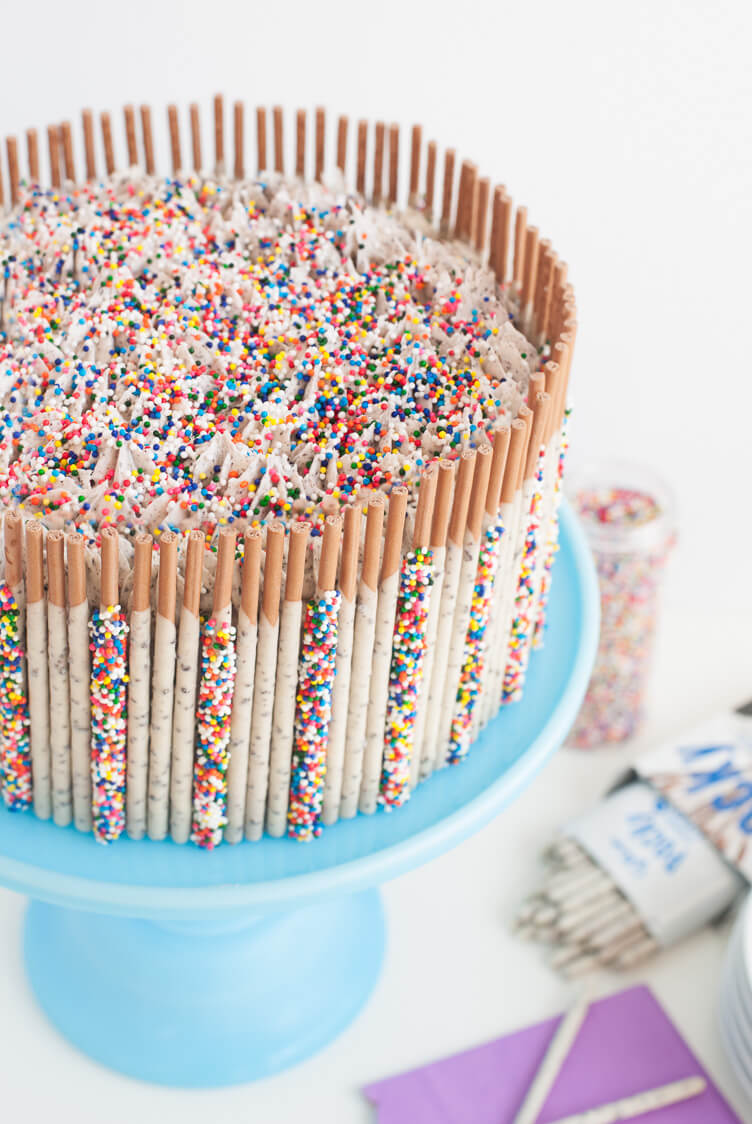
column 674, row 878
column 707, row 776
column 676, row 835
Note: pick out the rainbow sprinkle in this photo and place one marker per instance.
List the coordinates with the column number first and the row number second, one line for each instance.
column 213, row 713
column 312, row 714
column 15, row 753
column 471, row 675
column 109, row 630
column 552, row 543
column 408, row 651
column 519, row 652
column 226, row 354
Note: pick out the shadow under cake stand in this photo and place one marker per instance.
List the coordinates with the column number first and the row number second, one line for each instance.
column 191, row 968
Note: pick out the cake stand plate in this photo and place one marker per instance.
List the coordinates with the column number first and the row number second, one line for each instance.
column 192, row 969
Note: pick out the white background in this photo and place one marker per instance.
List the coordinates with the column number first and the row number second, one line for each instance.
column 625, row 129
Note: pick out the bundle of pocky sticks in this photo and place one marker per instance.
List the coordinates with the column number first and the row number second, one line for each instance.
column 664, row 853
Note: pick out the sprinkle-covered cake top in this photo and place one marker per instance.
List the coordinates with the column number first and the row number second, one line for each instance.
column 180, row 354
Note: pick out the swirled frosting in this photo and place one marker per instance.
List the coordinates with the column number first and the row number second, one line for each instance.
column 187, row 353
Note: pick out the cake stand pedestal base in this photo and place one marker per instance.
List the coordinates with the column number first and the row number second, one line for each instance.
column 196, row 1004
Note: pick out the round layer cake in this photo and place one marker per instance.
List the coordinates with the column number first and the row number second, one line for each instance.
column 280, row 465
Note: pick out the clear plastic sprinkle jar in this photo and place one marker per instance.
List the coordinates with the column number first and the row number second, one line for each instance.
column 628, row 515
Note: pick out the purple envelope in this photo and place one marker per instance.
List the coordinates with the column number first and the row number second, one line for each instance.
column 626, row 1044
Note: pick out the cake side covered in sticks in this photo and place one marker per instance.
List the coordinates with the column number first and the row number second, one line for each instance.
column 281, row 452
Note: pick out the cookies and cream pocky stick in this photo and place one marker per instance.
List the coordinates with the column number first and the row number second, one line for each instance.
column 509, row 503
column 14, row 566
column 552, row 377
column 501, row 223
column 408, row 650
column 107, row 145
column 219, row 135
column 476, row 640
column 448, row 603
column 36, row 658
column 316, row 675
column 348, row 585
column 139, row 680
column 183, row 706
column 342, row 128
column 57, row 645
column 362, row 144
column 195, row 136
column 242, row 701
column 363, row 640
column 283, row 716
column 80, row 688
column 467, row 576
column 214, row 704
column 512, row 557
column 382, row 650
column 174, row 129
column 438, row 543
column 261, row 161
column 109, row 687
column 522, row 615
column 265, row 678
column 15, row 750
column 87, row 128
column 557, row 387
column 11, row 149
column 279, row 146
column 163, row 686
column 529, row 277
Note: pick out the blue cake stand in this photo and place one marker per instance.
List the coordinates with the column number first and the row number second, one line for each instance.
column 193, row 969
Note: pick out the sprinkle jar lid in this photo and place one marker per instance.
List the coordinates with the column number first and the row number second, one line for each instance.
column 624, row 507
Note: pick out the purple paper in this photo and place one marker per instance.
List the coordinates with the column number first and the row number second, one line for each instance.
column 627, row 1044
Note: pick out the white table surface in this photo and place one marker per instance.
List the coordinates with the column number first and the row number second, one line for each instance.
column 642, row 110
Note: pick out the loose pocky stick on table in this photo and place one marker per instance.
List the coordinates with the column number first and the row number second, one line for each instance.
column 468, row 572
column 139, row 670
column 365, row 628
column 452, row 567
column 437, row 542
column 36, row 658
column 183, row 719
column 242, row 701
column 160, row 736
column 348, row 584
column 57, row 639
column 314, row 697
column 283, row 718
column 263, row 689
column 214, row 704
column 109, row 631
column 80, row 692
column 382, row 650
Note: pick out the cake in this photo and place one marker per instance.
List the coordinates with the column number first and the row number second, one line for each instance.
column 280, row 471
